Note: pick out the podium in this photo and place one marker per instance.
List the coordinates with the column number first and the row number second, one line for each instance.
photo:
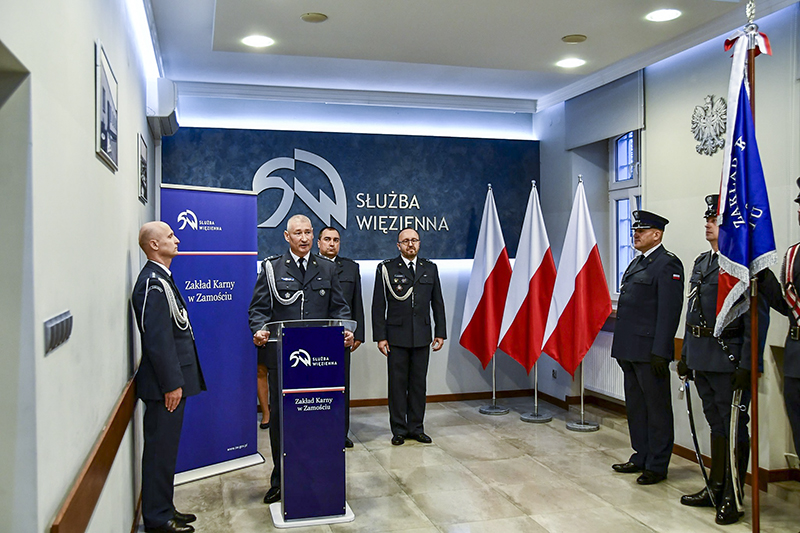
column 312, row 411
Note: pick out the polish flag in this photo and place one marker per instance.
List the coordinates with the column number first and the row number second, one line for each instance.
column 581, row 303
column 530, row 289
column 488, row 284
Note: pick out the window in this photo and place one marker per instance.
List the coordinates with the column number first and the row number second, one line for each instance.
column 625, row 196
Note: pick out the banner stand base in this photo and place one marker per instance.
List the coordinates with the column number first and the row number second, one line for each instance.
column 280, row 523
column 584, row 427
column 535, row 418
column 218, row 468
column 493, row 410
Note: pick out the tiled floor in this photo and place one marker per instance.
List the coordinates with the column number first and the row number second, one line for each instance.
column 484, row 474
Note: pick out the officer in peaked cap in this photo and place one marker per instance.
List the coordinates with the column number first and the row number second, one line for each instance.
column 648, row 313
column 718, row 366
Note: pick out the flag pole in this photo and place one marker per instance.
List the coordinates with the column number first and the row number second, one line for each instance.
column 493, row 409
column 582, row 426
column 535, row 417
column 752, row 30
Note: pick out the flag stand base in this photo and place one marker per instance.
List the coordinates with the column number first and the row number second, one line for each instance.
column 584, row 427
column 535, row 418
column 495, row 410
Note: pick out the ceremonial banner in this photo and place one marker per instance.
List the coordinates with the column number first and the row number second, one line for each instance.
column 488, row 286
column 581, row 303
column 215, row 271
column 746, row 239
column 530, row 289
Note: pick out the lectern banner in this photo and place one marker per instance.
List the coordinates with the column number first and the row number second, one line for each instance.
column 215, row 271
column 312, row 413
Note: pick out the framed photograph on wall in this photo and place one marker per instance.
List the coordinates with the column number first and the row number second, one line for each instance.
column 106, row 109
column 142, row 170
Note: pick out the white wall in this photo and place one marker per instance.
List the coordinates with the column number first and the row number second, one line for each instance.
column 82, row 234
column 676, row 178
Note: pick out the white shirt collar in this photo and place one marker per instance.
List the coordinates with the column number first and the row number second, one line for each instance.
column 651, row 250
column 297, row 257
column 163, row 267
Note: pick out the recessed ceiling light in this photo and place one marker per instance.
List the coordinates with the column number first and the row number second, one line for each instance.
column 575, row 38
column 258, row 41
column 663, row 15
column 570, row 62
column 314, row 17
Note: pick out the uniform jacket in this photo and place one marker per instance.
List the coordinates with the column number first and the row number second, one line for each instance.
column 770, row 290
column 322, row 293
column 350, row 280
column 649, row 308
column 169, row 354
column 407, row 323
column 705, row 353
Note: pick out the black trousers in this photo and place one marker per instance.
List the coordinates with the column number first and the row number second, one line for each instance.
column 791, row 395
column 408, row 374
column 649, row 405
column 346, row 391
column 716, row 392
column 162, row 434
column 271, row 352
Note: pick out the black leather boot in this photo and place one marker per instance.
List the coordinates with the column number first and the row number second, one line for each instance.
column 726, row 511
column 716, row 477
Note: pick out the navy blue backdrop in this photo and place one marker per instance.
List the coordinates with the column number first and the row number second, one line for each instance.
column 367, row 186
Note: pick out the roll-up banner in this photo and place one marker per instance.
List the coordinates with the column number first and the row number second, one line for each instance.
column 216, row 270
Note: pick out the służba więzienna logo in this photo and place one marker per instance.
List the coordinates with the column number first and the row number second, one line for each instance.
column 300, row 356
column 324, row 207
column 187, row 217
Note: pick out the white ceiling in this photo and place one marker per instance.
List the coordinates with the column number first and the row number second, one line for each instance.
column 471, row 48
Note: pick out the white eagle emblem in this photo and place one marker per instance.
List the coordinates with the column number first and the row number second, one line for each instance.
column 709, row 124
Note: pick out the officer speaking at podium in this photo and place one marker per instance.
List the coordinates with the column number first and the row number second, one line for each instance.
column 293, row 286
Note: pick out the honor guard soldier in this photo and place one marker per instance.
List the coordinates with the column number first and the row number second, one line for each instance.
column 784, row 297
column 648, row 313
column 718, row 366
column 328, row 243
column 293, row 286
column 168, row 374
column 407, row 288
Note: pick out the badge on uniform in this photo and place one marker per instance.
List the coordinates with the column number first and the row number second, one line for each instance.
column 322, row 292
column 287, row 295
column 287, row 279
column 676, row 276
column 399, row 287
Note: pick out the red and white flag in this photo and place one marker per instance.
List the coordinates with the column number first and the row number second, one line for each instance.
column 488, row 284
column 530, row 289
column 581, row 303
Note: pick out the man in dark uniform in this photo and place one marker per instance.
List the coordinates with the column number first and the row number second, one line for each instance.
column 718, row 366
column 784, row 297
column 407, row 288
column 350, row 279
column 293, row 286
column 648, row 312
column 169, row 373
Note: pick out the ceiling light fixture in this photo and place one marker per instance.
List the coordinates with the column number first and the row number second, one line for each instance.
column 663, row 15
column 258, row 41
column 574, row 38
column 314, row 17
column 570, row 62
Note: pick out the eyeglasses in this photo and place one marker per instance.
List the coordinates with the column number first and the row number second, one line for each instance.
column 406, row 242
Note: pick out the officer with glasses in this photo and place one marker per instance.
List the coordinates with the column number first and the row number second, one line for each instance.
column 407, row 289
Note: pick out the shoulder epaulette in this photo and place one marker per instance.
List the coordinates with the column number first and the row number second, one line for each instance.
column 153, row 275
column 387, row 261
column 273, row 257
column 670, row 253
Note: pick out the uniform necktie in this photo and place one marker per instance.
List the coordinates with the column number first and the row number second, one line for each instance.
column 301, row 265
column 411, row 268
